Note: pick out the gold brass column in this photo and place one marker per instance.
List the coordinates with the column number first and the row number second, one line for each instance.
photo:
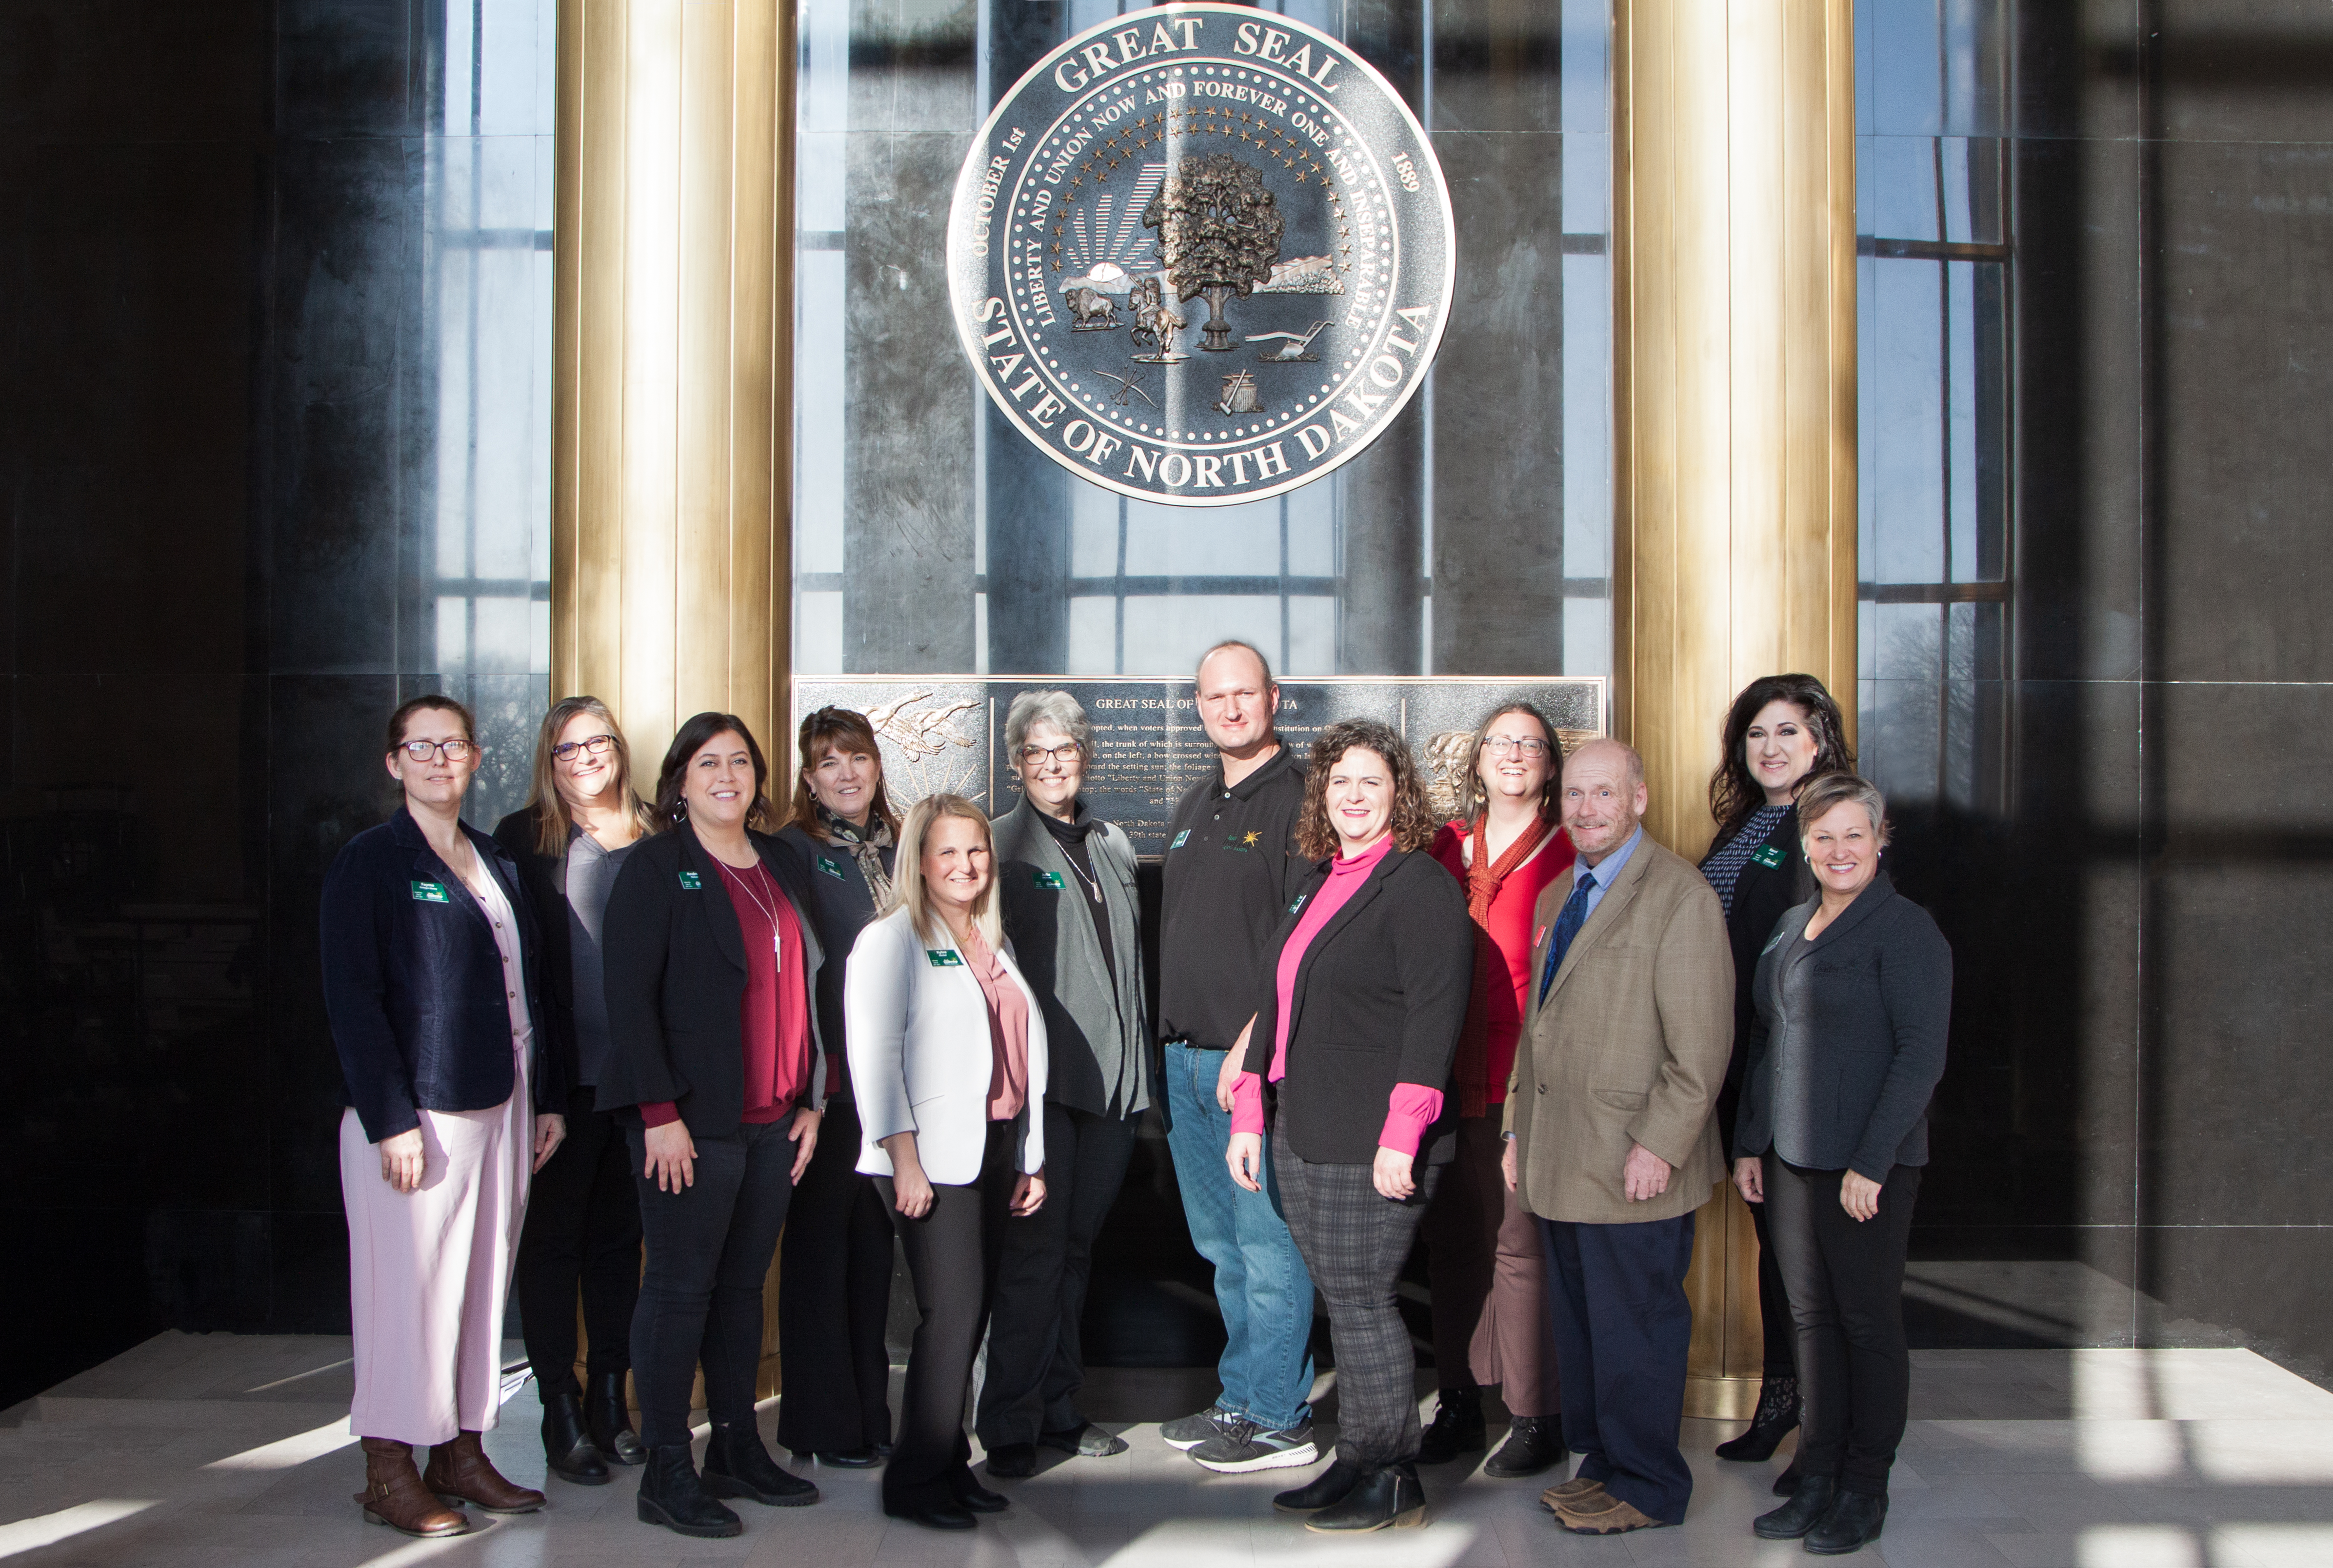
column 673, row 346
column 1734, row 405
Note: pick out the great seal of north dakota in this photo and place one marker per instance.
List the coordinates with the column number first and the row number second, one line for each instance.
column 1201, row 255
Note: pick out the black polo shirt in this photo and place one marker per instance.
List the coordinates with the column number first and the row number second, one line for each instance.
column 1232, row 868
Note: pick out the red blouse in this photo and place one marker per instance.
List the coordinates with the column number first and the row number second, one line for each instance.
column 776, row 1007
column 1511, row 928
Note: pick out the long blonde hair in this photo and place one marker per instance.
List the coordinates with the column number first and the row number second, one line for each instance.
column 907, row 889
column 553, row 820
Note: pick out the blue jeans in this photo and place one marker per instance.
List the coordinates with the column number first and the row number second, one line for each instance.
column 1261, row 1284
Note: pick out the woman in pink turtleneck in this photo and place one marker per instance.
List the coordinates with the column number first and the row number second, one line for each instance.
column 1352, row 1046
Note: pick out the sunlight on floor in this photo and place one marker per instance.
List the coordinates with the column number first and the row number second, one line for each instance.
column 48, row 1529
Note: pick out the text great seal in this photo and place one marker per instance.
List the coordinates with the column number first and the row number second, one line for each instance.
column 1201, row 255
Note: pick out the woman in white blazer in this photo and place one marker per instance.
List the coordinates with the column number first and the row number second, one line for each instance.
column 947, row 1058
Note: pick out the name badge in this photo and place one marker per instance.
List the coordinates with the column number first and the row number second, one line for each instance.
column 1298, row 904
column 942, row 958
column 831, row 869
column 1769, row 856
column 1046, row 879
column 1181, row 839
column 691, row 883
column 428, row 892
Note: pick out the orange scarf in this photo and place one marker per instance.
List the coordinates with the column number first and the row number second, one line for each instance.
column 1482, row 880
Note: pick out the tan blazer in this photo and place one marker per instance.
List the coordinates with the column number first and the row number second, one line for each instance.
column 1630, row 1045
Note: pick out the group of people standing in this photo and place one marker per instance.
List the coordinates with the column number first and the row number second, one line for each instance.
column 1528, row 1040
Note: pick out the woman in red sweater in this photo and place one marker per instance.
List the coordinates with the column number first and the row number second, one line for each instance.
column 1483, row 1261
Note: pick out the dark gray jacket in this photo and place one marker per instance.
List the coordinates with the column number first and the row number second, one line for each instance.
column 1849, row 1039
column 1097, row 1032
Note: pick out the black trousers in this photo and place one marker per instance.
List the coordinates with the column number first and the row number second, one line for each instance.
column 1036, row 1359
column 709, row 1246
column 1779, row 1334
column 1623, row 1328
column 834, row 1293
column 952, row 1260
column 1846, row 1278
column 1354, row 1241
column 582, row 1229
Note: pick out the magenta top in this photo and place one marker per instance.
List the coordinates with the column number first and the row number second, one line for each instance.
column 1411, row 1108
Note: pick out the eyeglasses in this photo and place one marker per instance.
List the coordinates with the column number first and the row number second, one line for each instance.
column 452, row 751
column 596, row 746
column 1065, row 754
column 1502, row 745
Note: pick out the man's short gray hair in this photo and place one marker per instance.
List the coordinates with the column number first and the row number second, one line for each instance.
column 1058, row 709
column 1819, row 795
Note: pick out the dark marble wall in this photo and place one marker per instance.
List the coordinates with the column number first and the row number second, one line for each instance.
column 225, row 377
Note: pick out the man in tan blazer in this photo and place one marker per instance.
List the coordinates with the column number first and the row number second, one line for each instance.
column 1613, row 1144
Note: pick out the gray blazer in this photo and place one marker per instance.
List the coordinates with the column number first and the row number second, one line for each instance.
column 1098, row 1032
column 1849, row 1039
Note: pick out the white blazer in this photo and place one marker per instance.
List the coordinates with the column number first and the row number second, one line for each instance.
column 920, row 1057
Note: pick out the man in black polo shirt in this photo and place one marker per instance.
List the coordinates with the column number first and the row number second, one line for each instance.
column 1232, row 868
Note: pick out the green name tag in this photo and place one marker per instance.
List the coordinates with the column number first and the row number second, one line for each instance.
column 1046, row 879
column 1298, row 904
column 1181, row 839
column 831, row 868
column 1769, row 856
column 428, row 892
column 691, row 883
column 942, row 957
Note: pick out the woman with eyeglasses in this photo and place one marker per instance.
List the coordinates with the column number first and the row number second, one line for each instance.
column 1066, row 878
column 579, row 826
column 716, row 1068
column 834, row 1263
column 429, row 961
column 1485, row 1264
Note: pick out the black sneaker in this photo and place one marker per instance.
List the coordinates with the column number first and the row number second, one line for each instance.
column 1243, row 1446
column 1187, row 1432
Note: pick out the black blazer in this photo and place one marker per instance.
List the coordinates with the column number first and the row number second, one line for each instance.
column 543, row 877
column 1380, row 999
column 675, row 974
column 413, row 981
column 840, row 905
column 1849, row 1039
column 1762, row 894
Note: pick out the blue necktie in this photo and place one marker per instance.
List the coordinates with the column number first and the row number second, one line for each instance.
column 1566, row 926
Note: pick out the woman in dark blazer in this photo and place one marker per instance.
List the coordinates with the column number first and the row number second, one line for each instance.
column 1854, row 996
column 714, row 1063
column 1781, row 730
column 1372, row 970
column 429, row 971
column 834, row 1266
column 583, row 1219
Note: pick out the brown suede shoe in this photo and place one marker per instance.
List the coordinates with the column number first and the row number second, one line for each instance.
column 395, row 1496
column 1602, row 1513
column 1577, row 1489
column 460, row 1472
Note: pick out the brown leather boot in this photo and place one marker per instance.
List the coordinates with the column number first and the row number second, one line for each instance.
column 460, row 1472
column 395, row 1496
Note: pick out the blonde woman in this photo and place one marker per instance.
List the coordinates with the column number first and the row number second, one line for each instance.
column 575, row 832
column 947, row 1057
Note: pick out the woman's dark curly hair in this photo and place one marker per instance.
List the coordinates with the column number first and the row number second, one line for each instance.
column 694, row 737
column 1414, row 825
column 1733, row 795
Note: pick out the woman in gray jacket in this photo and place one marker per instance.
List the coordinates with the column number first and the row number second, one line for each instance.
column 1066, row 881
column 1854, row 995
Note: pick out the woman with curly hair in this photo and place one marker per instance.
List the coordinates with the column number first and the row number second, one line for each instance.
column 1352, row 1042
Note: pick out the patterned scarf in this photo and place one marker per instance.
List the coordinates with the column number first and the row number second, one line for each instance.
column 866, row 846
column 1482, row 879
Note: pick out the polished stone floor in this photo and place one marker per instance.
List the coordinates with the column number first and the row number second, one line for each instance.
column 194, row 1451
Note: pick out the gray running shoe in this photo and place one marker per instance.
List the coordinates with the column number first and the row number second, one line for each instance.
column 1187, row 1432
column 1244, row 1446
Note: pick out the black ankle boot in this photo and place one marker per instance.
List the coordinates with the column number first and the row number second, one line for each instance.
column 736, row 1465
column 1802, row 1513
column 1776, row 1417
column 1325, row 1490
column 567, row 1448
column 1534, row 1443
column 671, row 1496
column 1457, row 1427
column 1852, row 1524
column 609, row 1423
column 1389, row 1499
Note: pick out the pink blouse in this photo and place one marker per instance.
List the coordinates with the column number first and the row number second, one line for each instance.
column 1008, row 1028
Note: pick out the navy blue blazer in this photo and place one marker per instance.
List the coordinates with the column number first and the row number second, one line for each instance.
column 413, row 981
